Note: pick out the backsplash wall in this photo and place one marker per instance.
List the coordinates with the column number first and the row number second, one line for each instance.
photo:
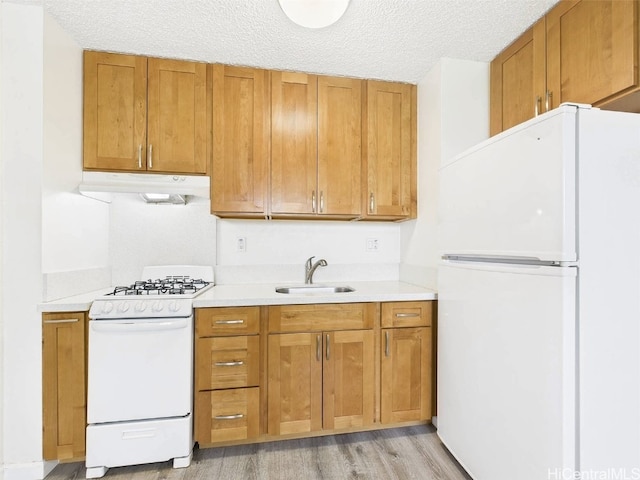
column 275, row 251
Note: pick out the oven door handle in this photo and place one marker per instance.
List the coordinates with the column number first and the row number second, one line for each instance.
column 128, row 326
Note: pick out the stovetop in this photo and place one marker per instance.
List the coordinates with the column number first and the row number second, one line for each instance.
column 164, row 297
column 170, row 285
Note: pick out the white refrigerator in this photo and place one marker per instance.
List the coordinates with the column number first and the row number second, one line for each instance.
column 539, row 300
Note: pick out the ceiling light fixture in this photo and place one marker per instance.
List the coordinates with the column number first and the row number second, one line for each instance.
column 314, row 13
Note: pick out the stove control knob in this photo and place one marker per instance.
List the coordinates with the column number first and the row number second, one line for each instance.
column 174, row 306
column 107, row 307
column 123, row 307
column 157, row 307
column 140, row 306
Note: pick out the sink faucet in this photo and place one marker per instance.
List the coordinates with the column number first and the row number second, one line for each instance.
column 310, row 268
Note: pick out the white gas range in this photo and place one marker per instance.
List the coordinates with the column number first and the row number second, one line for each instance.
column 140, row 370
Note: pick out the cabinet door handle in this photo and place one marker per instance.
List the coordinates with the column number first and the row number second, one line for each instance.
column 229, row 417
column 236, row 363
column 139, row 155
column 62, row 320
column 536, row 107
column 229, row 322
column 386, row 343
column 328, row 347
column 321, row 201
column 407, row 315
column 318, row 349
column 547, row 100
column 372, row 204
column 313, row 201
column 150, row 156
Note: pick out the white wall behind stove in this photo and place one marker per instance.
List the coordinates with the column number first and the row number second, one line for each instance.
column 144, row 234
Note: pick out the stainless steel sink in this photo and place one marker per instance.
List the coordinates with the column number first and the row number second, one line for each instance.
column 314, row 289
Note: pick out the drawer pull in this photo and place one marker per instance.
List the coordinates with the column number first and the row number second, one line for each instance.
column 229, row 322
column 407, row 315
column 318, row 345
column 62, row 320
column 229, row 417
column 229, row 364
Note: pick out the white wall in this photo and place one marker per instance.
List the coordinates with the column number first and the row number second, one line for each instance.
column 453, row 115
column 21, row 125
column 75, row 229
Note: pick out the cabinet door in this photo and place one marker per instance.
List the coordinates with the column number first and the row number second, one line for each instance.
column 294, row 143
column 348, row 379
column 389, row 151
column 115, row 112
column 518, row 80
column 592, row 50
column 295, row 383
column 406, row 374
column 241, row 129
column 177, row 116
column 64, row 385
column 339, row 145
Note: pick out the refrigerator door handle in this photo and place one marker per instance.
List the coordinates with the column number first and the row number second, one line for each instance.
column 515, row 260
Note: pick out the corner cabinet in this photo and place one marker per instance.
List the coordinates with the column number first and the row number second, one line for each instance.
column 241, row 129
column 316, row 146
column 581, row 51
column 389, row 156
column 321, row 375
column 64, row 380
column 144, row 114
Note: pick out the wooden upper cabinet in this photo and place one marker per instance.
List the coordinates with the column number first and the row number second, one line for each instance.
column 144, row 115
column 518, row 80
column 177, row 116
column 582, row 51
column 592, row 50
column 339, row 145
column 316, row 145
column 241, row 127
column 389, row 153
column 115, row 112
column 294, row 143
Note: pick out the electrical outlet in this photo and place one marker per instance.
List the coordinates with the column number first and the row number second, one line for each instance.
column 372, row 245
column 241, row 244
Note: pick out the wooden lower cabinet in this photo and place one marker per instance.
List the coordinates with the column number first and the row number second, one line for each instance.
column 405, row 375
column 64, row 397
column 227, row 415
column 292, row 371
column 320, row 381
column 406, row 368
column 227, row 375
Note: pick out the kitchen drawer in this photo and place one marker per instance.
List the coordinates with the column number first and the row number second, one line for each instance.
column 227, row 362
column 227, row 321
column 330, row 316
column 227, row 415
column 407, row 314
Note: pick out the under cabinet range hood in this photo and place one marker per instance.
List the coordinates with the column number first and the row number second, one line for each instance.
column 153, row 188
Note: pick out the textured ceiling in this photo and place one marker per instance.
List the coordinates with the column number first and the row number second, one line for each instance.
column 385, row 39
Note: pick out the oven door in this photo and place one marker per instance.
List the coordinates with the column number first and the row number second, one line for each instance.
column 139, row 369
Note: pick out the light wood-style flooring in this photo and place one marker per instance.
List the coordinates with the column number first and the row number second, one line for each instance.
column 399, row 453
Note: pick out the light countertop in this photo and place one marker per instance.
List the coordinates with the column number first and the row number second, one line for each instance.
column 265, row 294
